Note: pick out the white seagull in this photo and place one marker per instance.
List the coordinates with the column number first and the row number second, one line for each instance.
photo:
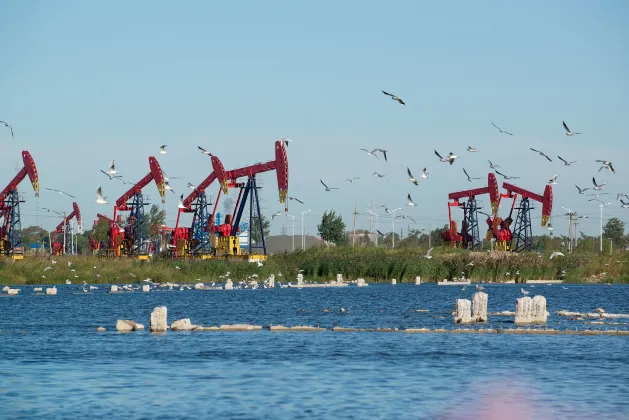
column 180, row 205
column 285, row 140
column 597, row 187
column 205, row 152
column 410, row 200
column 162, row 149
column 384, row 153
column 60, row 192
column 410, row 176
column 606, row 165
column 424, row 174
column 190, row 186
column 99, row 196
column 379, row 174
column 112, row 169
column 471, row 149
column 524, row 292
column 568, row 132
column 372, row 153
column 566, row 162
column 541, row 154
column 168, row 187
column 395, row 98
column 11, row 128
column 624, row 205
column 469, row 178
column 492, row 166
column 279, row 213
column 556, row 254
column 581, row 191
column 553, row 180
column 326, row 187
column 351, row 179
column 505, row 176
column 428, row 254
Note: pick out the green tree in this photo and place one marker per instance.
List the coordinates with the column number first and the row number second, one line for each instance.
column 332, row 228
column 101, row 231
column 153, row 220
column 255, row 228
column 435, row 236
column 614, row 229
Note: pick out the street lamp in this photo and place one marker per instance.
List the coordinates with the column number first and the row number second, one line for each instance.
column 303, row 240
column 393, row 228
column 601, row 234
column 63, row 216
column 293, row 222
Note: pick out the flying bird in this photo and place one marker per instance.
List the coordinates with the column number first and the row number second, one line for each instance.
column 296, row 199
column 401, row 216
column 181, row 205
column 384, row 153
column 506, row 176
column 541, row 154
column 568, row 132
column 279, row 213
column 410, row 200
column 410, row 176
column 162, row 149
column 112, row 169
column 395, row 98
column 191, row 186
column 501, row 130
column 10, row 128
column 286, row 141
column 624, row 205
column 352, row 179
column 168, row 187
column 99, row 196
column 556, row 254
column 379, row 233
column 553, row 180
column 451, row 157
column 597, row 187
column 205, row 152
column 566, row 162
column 581, row 191
column 492, row 166
column 428, row 254
column 372, row 153
column 60, row 192
column 424, row 174
column 621, row 195
column 471, row 149
column 606, row 165
column 377, row 173
column 326, row 187
column 468, row 176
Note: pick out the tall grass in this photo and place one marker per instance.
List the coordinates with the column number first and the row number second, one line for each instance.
column 322, row 264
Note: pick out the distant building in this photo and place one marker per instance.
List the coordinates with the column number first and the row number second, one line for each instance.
column 361, row 237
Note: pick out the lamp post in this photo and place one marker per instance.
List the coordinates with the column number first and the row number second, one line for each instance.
column 303, row 240
column 393, row 227
column 293, row 222
column 63, row 216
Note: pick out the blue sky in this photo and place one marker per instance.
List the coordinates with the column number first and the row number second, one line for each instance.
column 87, row 82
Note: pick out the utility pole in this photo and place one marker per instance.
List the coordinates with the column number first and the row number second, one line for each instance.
column 429, row 236
column 393, row 227
column 355, row 214
column 65, row 226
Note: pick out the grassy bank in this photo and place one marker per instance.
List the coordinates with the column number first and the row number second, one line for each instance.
column 323, row 264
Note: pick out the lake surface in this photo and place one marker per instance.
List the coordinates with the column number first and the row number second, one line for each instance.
column 53, row 364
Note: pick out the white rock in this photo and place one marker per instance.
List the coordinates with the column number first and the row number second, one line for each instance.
column 418, row 281
column 182, row 325
column 393, row 281
column 199, row 286
column 51, row 290
column 361, row 282
column 159, row 319
column 523, row 307
column 339, row 278
column 300, row 279
column 463, row 311
column 599, row 310
column 479, row 307
column 114, row 288
column 229, row 285
column 13, row 291
column 146, row 288
column 38, row 289
column 538, row 309
column 271, row 281
column 101, row 329
column 138, row 327
column 5, row 289
column 125, row 325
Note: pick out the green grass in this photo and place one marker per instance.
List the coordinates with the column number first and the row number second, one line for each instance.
column 322, row 264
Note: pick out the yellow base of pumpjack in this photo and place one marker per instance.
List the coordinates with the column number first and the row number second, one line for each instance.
column 143, row 257
column 17, row 257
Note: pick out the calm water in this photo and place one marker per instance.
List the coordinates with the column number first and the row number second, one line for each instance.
column 53, row 364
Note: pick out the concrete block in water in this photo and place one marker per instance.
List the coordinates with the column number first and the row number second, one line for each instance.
column 13, row 291
column 199, row 286
column 101, row 329
column 182, row 325
column 479, row 307
column 393, row 282
column 463, row 314
column 271, row 281
column 523, row 308
column 114, row 288
column 300, row 279
column 146, row 288
column 159, row 319
column 538, row 309
column 125, row 325
column 418, row 281
column 51, row 290
column 229, row 285
column 5, row 289
column 38, row 289
column 361, row 282
column 339, row 278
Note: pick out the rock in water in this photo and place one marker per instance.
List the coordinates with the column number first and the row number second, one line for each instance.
column 182, row 325
column 538, row 309
column 300, row 279
column 125, row 325
column 159, row 319
column 199, row 286
column 271, row 282
column 146, row 288
column 393, row 282
column 361, row 282
column 523, row 310
column 13, row 291
column 229, row 285
column 463, row 311
column 51, row 290
column 6, row 289
column 101, row 329
column 113, row 289
column 479, row 307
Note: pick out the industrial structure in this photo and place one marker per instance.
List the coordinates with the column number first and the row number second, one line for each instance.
column 11, row 228
column 62, row 235
column 517, row 239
